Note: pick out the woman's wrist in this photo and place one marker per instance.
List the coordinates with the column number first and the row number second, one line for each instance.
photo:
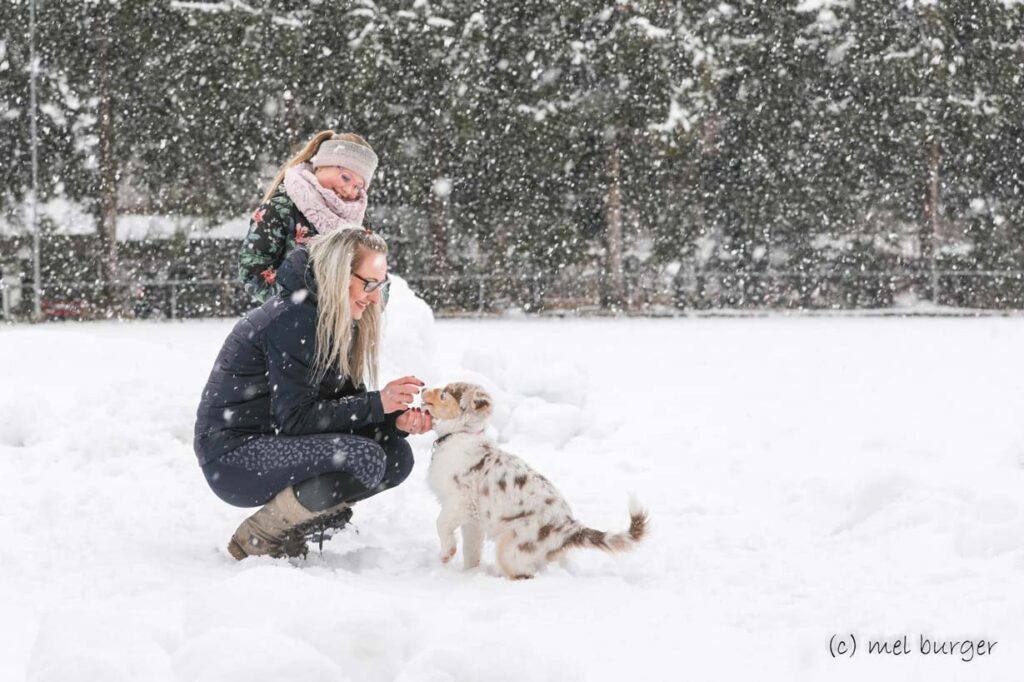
column 377, row 413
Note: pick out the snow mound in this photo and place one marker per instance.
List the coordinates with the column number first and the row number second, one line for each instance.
column 538, row 421
column 409, row 343
column 537, row 400
column 532, row 374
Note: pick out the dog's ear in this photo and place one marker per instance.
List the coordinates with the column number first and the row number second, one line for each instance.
column 468, row 395
column 481, row 402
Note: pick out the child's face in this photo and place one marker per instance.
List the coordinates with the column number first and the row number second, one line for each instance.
column 346, row 183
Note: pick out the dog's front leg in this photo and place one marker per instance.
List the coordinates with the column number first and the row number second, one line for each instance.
column 472, row 544
column 447, row 521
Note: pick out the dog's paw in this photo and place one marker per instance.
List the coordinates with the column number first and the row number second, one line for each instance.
column 447, row 554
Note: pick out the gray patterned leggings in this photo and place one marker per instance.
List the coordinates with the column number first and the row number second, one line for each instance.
column 253, row 473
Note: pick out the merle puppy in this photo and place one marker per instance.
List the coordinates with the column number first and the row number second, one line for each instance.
column 493, row 494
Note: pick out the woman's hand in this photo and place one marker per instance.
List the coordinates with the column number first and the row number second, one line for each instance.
column 414, row 420
column 396, row 395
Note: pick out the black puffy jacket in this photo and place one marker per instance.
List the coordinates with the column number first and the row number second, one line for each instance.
column 261, row 382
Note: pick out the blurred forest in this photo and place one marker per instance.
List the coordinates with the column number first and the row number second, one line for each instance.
column 586, row 155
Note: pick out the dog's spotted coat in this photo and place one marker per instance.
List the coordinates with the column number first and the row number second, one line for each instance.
column 494, row 494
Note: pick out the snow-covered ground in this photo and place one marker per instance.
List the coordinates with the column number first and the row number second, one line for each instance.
column 807, row 478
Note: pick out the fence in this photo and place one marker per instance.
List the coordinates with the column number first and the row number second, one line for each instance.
column 651, row 292
column 171, row 299
column 849, row 288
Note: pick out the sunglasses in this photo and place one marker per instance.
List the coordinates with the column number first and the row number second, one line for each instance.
column 371, row 285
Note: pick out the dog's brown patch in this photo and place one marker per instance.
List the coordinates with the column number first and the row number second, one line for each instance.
column 638, row 526
column 549, row 500
column 479, row 465
column 520, row 480
column 544, row 531
column 485, row 491
column 502, row 485
column 587, row 537
column 527, row 547
column 520, row 515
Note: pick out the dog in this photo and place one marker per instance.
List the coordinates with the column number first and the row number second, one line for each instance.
column 493, row 494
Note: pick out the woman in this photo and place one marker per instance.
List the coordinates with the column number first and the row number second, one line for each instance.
column 286, row 420
column 321, row 188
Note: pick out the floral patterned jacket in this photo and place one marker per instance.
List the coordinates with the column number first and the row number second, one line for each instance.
column 275, row 228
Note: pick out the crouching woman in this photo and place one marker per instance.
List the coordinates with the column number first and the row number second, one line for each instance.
column 286, row 421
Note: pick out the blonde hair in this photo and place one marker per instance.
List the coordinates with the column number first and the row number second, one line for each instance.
column 352, row 348
column 308, row 152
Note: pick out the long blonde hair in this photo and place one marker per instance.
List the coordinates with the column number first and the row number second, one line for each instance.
column 308, row 152
column 352, row 348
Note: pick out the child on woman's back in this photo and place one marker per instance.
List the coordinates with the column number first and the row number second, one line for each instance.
column 323, row 188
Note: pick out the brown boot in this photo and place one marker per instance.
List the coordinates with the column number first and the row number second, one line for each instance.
column 279, row 528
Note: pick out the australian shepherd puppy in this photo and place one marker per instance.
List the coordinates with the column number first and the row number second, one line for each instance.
column 493, row 494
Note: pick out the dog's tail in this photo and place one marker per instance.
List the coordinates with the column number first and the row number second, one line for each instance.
column 615, row 542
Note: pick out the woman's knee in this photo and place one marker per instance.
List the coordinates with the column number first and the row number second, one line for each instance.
column 367, row 461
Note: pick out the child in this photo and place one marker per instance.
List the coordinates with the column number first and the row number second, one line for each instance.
column 323, row 188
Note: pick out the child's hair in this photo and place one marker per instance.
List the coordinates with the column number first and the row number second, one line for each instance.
column 308, row 152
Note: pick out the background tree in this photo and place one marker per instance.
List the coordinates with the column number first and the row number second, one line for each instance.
column 815, row 153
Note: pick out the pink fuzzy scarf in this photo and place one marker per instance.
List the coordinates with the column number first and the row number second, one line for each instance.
column 325, row 209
